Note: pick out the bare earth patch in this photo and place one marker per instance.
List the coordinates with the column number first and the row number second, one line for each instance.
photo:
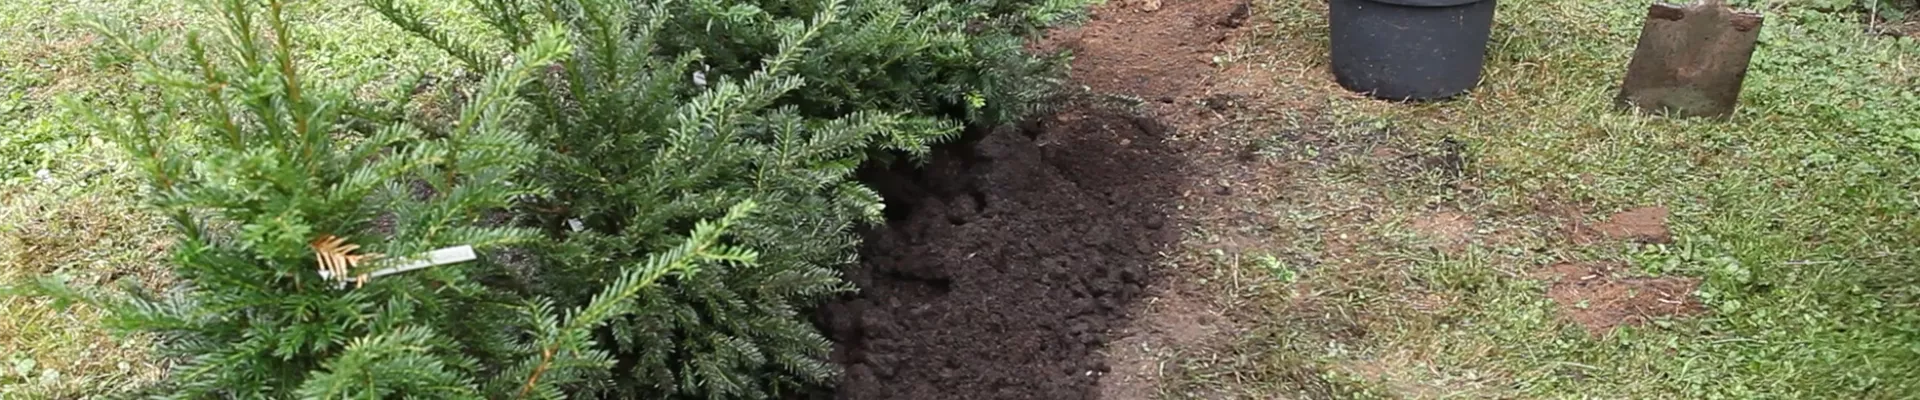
column 1447, row 230
column 1161, row 53
column 1598, row 298
column 1644, row 225
column 1640, row 225
column 1172, row 321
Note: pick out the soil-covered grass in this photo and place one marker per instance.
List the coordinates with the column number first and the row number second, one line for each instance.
column 1488, row 246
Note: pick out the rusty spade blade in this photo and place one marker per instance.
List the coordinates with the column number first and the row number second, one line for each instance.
column 1691, row 60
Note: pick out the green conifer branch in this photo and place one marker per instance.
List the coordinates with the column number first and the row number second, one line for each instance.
column 409, row 19
column 701, row 246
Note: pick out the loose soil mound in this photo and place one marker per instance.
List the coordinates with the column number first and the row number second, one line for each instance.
column 1007, row 261
column 1594, row 296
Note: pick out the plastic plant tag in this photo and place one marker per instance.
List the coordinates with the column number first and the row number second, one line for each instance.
column 450, row 255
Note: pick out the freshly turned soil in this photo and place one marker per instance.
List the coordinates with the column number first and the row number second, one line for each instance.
column 1012, row 257
column 1007, row 261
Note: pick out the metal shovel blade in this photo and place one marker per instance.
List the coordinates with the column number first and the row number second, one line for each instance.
column 1690, row 60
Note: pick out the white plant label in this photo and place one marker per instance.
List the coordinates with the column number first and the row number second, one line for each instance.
column 450, row 255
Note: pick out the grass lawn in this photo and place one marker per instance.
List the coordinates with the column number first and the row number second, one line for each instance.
column 1409, row 251
column 1796, row 220
column 66, row 206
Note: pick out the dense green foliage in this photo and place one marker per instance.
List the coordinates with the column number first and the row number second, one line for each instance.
column 620, row 140
column 259, row 166
column 934, row 57
column 645, row 142
column 670, row 111
column 244, row 155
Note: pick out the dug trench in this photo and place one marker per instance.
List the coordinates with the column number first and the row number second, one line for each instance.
column 1008, row 260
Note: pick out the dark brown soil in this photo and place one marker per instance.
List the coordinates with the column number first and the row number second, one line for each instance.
column 1595, row 296
column 1012, row 259
column 1008, row 261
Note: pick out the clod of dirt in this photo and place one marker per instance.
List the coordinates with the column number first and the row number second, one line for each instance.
column 1644, row 225
column 1221, row 102
column 1238, row 16
column 1059, row 224
column 1596, row 297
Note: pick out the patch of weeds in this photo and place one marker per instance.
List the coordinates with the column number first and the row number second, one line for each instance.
column 1252, row 274
column 95, row 237
column 1274, row 361
column 1278, row 271
column 1796, row 215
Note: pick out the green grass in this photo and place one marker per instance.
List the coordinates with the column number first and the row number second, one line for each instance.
column 1799, row 216
column 65, row 208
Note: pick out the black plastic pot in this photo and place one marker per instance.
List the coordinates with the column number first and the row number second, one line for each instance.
column 1409, row 49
